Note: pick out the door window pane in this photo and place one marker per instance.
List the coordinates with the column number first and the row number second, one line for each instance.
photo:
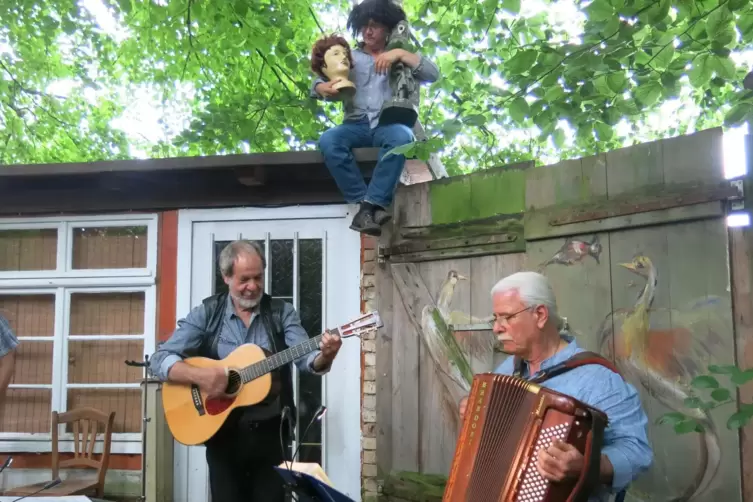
column 310, row 310
column 26, row 410
column 281, row 268
column 107, row 314
column 109, row 247
column 31, row 317
column 103, row 361
column 27, row 250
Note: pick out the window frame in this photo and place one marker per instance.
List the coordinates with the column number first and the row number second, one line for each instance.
column 61, row 283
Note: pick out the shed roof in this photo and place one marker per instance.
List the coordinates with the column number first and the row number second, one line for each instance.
column 176, row 183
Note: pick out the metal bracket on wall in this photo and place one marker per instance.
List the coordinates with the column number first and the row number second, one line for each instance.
column 737, row 202
column 381, row 255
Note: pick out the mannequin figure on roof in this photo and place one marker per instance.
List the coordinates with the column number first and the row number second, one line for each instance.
column 369, row 117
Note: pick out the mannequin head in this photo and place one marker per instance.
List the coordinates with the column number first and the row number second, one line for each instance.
column 331, row 58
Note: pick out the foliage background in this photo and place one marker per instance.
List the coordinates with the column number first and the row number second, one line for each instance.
column 541, row 79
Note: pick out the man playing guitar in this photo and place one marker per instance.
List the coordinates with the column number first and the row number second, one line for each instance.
column 242, row 454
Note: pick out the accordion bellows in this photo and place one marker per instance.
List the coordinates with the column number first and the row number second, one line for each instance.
column 507, row 422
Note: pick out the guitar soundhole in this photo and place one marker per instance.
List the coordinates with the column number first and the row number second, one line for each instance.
column 234, row 382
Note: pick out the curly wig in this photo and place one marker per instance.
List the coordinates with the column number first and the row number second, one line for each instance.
column 384, row 12
column 321, row 47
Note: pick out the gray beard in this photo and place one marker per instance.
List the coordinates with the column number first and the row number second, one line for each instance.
column 246, row 303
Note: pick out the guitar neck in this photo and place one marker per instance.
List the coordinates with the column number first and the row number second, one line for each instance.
column 280, row 359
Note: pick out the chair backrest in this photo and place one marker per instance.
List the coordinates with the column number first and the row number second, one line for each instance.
column 85, row 424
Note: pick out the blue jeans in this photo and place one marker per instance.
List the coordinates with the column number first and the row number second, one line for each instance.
column 337, row 146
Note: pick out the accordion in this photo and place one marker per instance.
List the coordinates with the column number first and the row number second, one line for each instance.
column 507, row 422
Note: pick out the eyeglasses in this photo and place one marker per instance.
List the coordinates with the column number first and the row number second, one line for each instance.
column 506, row 318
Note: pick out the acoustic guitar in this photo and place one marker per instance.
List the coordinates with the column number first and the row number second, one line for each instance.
column 193, row 418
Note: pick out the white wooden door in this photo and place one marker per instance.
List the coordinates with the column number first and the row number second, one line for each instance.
column 313, row 261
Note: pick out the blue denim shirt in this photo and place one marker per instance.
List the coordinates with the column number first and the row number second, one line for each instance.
column 188, row 336
column 372, row 88
column 8, row 340
column 625, row 438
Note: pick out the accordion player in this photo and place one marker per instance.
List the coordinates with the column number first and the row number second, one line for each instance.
column 508, row 420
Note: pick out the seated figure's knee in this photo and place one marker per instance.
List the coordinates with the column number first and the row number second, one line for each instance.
column 399, row 135
column 330, row 141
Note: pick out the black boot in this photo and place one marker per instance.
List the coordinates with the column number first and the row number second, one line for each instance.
column 364, row 222
column 381, row 216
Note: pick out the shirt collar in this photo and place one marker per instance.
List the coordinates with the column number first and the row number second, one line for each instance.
column 561, row 356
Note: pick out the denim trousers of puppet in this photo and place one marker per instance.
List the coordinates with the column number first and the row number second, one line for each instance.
column 337, row 146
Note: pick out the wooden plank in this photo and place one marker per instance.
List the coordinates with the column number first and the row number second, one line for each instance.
column 478, row 250
column 626, row 287
column 457, row 242
column 537, row 227
column 498, row 191
column 411, row 208
column 439, row 424
column 481, row 194
column 697, row 157
column 570, row 181
column 741, row 258
column 674, row 350
column 670, row 196
column 503, row 223
column 701, row 315
column 633, row 167
column 447, row 196
column 406, row 438
column 159, row 452
column 383, row 364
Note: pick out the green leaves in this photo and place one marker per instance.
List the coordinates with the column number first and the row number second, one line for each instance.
column 503, row 71
column 522, row 61
column 519, row 110
column 600, row 10
column 648, row 93
column 511, row 6
column 718, row 22
column 741, row 418
column 720, row 396
column 701, row 72
column 681, row 423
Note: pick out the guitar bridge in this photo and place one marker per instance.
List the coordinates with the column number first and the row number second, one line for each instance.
column 196, row 396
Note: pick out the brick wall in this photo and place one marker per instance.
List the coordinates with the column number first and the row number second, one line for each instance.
column 368, row 373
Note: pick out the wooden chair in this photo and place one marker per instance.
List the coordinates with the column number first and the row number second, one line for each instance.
column 85, row 424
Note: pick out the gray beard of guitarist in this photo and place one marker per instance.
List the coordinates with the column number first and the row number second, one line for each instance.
column 281, row 392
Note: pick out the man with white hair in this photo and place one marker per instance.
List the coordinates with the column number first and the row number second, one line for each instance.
column 529, row 328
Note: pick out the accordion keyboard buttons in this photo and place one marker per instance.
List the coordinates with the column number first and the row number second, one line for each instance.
column 533, row 487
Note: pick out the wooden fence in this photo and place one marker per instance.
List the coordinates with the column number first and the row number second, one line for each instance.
column 639, row 225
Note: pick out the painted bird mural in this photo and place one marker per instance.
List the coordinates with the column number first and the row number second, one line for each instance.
column 664, row 361
column 450, row 354
column 574, row 251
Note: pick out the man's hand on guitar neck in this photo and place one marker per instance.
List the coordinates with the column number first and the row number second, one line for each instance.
column 329, row 346
column 212, row 381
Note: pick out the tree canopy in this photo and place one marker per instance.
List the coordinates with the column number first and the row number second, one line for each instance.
column 540, row 79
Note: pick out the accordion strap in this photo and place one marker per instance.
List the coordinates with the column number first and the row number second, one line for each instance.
column 579, row 359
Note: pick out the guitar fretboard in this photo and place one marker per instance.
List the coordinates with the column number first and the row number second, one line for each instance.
column 280, row 359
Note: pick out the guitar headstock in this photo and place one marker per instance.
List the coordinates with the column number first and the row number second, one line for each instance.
column 367, row 322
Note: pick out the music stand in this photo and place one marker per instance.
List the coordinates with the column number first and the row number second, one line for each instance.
column 310, row 489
